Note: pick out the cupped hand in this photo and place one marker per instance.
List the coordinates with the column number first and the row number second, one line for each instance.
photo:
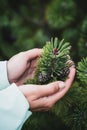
column 22, row 66
column 43, row 97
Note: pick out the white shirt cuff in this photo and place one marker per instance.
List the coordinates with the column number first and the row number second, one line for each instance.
column 3, row 75
column 14, row 108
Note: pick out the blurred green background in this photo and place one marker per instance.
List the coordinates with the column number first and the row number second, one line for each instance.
column 26, row 24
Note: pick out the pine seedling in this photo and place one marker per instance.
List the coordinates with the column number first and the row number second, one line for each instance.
column 53, row 64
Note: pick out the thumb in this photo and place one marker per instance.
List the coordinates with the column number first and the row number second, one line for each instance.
column 33, row 53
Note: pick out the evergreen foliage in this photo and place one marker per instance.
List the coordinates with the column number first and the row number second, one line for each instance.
column 54, row 59
column 60, row 14
column 71, row 109
column 82, row 70
column 54, row 62
column 28, row 24
column 75, row 116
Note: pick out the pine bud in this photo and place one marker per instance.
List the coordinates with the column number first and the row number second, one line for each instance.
column 55, row 51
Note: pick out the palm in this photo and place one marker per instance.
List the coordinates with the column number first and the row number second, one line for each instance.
column 28, row 71
column 22, row 66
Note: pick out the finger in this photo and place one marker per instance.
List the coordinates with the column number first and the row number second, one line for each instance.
column 46, row 90
column 70, row 78
column 40, row 104
column 34, row 63
column 55, row 97
column 32, row 68
column 32, row 54
column 39, row 109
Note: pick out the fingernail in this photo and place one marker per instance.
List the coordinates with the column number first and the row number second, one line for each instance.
column 61, row 84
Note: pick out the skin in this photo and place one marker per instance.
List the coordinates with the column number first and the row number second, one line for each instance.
column 40, row 97
column 22, row 66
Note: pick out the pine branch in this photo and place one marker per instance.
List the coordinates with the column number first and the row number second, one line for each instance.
column 53, row 62
column 82, row 70
column 77, row 117
column 54, row 65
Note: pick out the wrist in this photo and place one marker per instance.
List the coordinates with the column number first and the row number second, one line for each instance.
column 24, row 91
column 22, row 88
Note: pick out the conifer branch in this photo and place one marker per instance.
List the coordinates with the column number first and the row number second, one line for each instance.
column 53, row 62
column 82, row 70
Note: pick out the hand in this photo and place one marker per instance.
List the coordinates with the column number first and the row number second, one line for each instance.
column 43, row 97
column 37, row 95
column 22, row 66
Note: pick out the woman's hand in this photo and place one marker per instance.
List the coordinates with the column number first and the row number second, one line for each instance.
column 22, row 66
column 43, row 97
column 38, row 95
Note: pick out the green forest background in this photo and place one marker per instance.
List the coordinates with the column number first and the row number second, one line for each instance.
column 26, row 24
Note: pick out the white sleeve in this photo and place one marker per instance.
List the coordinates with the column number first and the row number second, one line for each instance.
column 13, row 105
column 13, row 108
column 3, row 75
